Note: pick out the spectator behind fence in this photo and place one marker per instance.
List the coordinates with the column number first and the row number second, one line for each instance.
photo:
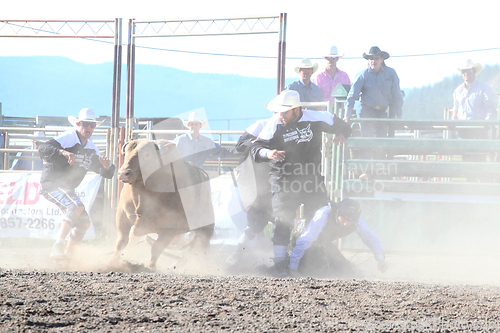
column 377, row 88
column 315, row 245
column 197, row 148
column 332, row 76
column 473, row 100
column 32, row 161
column 291, row 142
column 67, row 158
column 308, row 91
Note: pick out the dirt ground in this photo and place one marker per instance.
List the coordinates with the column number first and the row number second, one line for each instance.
column 418, row 293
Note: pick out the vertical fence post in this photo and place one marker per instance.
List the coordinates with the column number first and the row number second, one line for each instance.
column 130, row 78
column 281, row 54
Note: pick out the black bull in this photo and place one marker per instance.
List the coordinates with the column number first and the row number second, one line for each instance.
column 162, row 194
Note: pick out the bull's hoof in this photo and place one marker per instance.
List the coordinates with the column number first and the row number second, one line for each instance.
column 151, row 267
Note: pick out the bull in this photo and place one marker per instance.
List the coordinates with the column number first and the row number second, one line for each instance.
column 162, row 194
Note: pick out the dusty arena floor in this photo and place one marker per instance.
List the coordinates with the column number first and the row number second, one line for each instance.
column 418, row 293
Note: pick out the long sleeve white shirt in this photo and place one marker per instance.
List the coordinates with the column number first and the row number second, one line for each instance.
column 314, row 228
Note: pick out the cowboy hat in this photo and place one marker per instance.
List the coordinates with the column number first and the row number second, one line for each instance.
column 306, row 63
column 374, row 51
column 334, row 53
column 85, row 114
column 286, row 100
column 193, row 116
column 471, row 65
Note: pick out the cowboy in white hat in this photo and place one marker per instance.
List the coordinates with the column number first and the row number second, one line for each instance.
column 286, row 100
column 473, row 100
column 332, row 76
column 195, row 119
column 291, row 142
column 66, row 160
column 85, row 123
column 197, row 148
column 469, row 64
column 85, row 114
column 308, row 91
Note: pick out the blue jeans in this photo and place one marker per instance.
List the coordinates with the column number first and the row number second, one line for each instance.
column 373, row 130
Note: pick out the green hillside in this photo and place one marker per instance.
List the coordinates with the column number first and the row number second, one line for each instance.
column 58, row 86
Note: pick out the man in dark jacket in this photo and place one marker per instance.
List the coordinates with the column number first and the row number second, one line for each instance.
column 67, row 158
column 291, row 142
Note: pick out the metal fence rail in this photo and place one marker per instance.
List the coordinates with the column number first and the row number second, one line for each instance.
column 421, row 193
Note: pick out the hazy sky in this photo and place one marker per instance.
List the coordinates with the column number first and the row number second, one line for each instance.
column 405, row 29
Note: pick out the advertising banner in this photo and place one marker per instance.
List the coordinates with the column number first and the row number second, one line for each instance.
column 230, row 218
column 24, row 213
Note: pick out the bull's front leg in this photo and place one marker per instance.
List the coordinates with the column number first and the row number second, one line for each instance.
column 123, row 226
column 205, row 235
column 164, row 239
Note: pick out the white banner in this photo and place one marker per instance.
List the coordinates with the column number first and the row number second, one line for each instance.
column 230, row 217
column 24, row 213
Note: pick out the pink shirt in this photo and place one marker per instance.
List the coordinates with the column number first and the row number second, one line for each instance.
column 327, row 84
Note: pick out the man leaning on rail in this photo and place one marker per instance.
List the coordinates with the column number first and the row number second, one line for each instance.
column 377, row 88
column 473, row 100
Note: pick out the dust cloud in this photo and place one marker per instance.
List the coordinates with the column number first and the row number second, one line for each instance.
column 430, row 266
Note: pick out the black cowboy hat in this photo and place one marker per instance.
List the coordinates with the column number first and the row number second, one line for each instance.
column 375, row 50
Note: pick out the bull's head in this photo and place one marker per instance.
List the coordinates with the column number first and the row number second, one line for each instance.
column 145, row 157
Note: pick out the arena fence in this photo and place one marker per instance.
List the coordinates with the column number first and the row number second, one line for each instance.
column 423, row 195
column 420, row 197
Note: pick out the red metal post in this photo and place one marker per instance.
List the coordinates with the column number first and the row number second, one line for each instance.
column 281, row 54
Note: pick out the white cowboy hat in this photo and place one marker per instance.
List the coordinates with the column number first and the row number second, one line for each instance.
column 286, row 100
column 471, row 65
column 193, row 116
column 334, row 53
column 85, row 114
column 306, row 63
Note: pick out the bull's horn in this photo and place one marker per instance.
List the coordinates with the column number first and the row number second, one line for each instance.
column 123, row 147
